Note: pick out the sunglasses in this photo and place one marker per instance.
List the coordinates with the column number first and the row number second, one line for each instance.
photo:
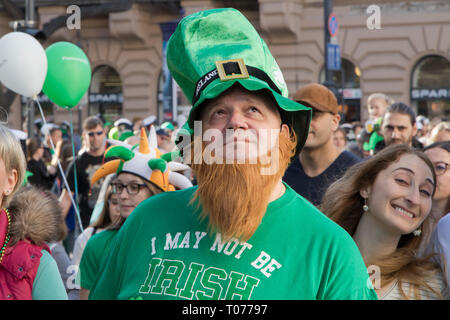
column 317, row 113
column 91, row 134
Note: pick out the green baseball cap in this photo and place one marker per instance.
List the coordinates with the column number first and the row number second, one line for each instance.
column 168, row 126
column 212, row 50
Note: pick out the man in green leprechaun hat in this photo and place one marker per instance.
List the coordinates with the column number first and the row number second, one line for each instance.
column 241, row 233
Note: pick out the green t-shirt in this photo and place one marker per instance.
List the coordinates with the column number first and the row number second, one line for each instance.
column 163, row 251
column 94, row 253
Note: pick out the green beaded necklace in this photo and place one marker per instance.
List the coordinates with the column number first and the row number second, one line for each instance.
column 7, row 236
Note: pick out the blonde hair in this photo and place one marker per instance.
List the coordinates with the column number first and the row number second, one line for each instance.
column 381, row 96
column 12, row 155
column 343, row 204
column 36, row 216
column 442, row 126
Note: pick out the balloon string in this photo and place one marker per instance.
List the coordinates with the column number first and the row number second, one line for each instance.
column 61, row 170
column 74, row 163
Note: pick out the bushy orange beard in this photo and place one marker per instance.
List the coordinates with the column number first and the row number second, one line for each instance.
column 235, row 196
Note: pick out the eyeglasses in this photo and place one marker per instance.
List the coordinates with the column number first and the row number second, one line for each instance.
column 440, row 167
column 317, row 113
column 91, row 134
column 132, row 188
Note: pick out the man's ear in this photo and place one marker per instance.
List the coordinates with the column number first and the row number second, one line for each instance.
column 284, row 129
column 336, row 120
column 414, row 130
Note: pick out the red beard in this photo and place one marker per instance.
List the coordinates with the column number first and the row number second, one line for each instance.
column 234, row 197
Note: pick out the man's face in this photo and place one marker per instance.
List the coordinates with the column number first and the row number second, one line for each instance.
column 322, row 128
column 95, row 138
column 245, row 121
column 397, row 129
column 234, row 194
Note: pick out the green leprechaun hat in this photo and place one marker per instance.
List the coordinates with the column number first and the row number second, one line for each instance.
column 214, row 49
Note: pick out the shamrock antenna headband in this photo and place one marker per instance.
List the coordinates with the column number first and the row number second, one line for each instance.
column 143, row 160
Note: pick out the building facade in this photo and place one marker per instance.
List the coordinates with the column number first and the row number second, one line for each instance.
column 400, row 48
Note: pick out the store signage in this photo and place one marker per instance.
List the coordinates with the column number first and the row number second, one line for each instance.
column 105, row 98
column 42, row 98
column 349, row 93
column 93, row 98
column 333, row 56
column 426, row 94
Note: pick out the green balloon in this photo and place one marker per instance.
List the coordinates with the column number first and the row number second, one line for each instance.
column 68, row 75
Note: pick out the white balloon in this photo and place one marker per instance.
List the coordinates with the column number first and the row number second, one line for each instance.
column 23, row 63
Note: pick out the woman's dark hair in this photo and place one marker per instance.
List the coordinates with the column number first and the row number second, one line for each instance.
column 104, row 219
column 440, row 144
column 33, row 144
column 343, row 131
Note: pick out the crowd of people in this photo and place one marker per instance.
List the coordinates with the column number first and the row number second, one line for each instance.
column 351, row 211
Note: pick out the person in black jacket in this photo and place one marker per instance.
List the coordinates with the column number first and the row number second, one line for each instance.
column 35, row 164
column 320, row 163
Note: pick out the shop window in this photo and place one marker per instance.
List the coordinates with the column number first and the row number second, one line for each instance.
column 105, row 93
column 347, row 82
column 430, row 87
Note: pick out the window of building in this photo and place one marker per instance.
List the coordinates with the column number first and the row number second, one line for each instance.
column 105, row 93
column 172, row 103
column 430, row 87
column 347, row 82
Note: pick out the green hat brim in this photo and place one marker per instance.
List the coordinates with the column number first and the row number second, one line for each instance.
column 296, row 115
column 125, row 135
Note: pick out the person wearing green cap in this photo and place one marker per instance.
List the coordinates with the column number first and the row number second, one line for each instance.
column 241, row 233
column 168, row 126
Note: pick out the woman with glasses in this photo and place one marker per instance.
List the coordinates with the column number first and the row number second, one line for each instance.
column 439, row 154
column 141, row 173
